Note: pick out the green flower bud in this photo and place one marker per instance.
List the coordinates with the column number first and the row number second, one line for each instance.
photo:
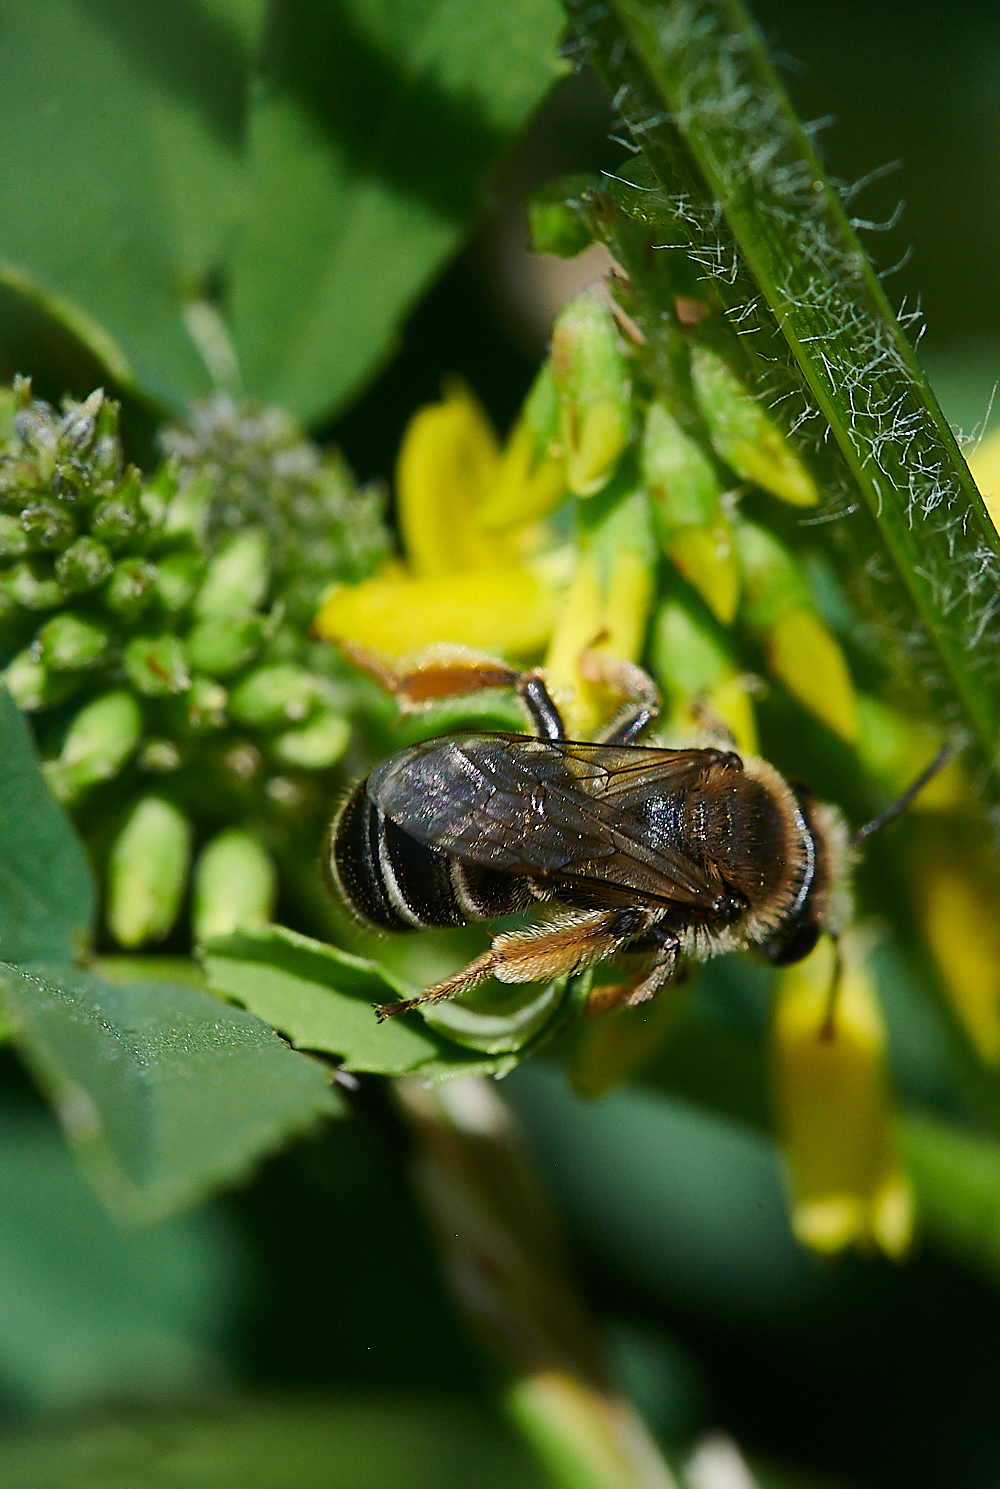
column 177, row 580
column 744, row 434
column 100, row 740
column 688, row 518
column 157, row 666
column 204, row 705
column 188, row 510
column 237, row 578
column 13, row 538
column 801, row 651
column 595, row 392
column 47, row 525
column 147, row 871
column 314, row 746
column 160, row 755
column 32, row 585
column 85, row 564
column 70, row 642
column 130, row 588
column 33, row 686
column 772, row 580
column 234, row 885
column 694, row 666
column 118, row 520
column 222, row 647
column 272, row 696
column 78, row 424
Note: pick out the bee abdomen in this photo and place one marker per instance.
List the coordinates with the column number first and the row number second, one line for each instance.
column 400, row 884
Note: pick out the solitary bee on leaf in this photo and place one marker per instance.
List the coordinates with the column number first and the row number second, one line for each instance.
column 674, row 853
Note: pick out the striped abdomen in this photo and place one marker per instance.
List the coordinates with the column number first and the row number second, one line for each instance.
column 399, row 884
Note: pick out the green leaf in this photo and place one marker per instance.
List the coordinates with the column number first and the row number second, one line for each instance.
column 371, row 130
column 323, row 999
column 47, row 896
column 163, row 1091
column 388, row 1443
column 694, row 85
column 121, row 172
column 88, row 1311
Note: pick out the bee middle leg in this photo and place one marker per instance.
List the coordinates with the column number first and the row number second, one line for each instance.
column 567, row 945
column 642, row 701
column 609, row 997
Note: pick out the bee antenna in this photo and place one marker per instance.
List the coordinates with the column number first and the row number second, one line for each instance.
column 941, row 759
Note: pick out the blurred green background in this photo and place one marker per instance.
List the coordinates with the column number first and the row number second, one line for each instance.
column 317, row 1274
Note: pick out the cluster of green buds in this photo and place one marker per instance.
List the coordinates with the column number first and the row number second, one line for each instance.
column 157, row 632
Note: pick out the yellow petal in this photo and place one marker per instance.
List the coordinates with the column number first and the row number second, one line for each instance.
column 528, row 486
column 984, row 464
column 510, row 610
column 834, row 1109
column 809, row 661
column 447, row 466
column 706, row 557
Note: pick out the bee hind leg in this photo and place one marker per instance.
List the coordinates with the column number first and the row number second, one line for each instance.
column 563, row 946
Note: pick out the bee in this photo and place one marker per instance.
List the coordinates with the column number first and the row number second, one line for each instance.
column 674, row 853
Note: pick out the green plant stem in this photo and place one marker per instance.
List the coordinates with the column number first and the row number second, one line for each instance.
column 499, row 1248
column 693, row 83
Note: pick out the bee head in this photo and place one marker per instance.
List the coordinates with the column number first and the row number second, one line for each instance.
column 823, row 902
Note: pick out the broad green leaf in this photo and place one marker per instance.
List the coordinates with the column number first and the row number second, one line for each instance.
column 47, row 900
column 120, row 173
column 163, row 1090
column 309, row 1443
column 89, row 1311
column 323, row 999
column 371, row 130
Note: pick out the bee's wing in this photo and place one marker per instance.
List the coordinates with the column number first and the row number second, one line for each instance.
column 553, row 809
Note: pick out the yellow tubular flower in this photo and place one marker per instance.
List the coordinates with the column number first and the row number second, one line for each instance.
column 957, row 892
column 848, row 1185
column 460, row 583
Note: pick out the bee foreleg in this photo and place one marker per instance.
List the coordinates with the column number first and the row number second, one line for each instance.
column 606, row 998
column 446, row 671
column 564, row 946
column 442, row 671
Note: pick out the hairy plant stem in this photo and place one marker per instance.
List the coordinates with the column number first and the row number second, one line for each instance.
column 746, row 191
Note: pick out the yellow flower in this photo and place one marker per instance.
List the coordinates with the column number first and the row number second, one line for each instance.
column 848, row 1185
column 462, row 582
